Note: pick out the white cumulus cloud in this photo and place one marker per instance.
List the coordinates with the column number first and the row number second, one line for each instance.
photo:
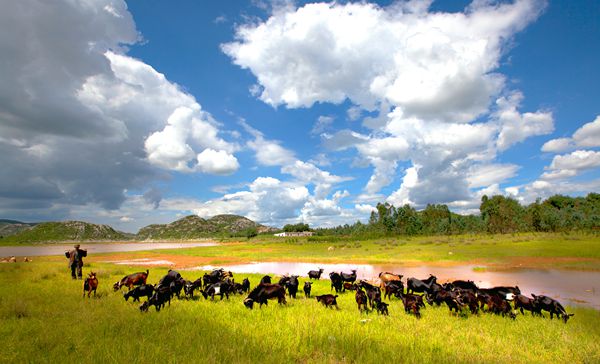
column 268, row 152
column 323, row 122
column 429, row 76
column 587, row 136
column 76, row 112
column 570, row 165
column 364, row 208
column 577, row 160
column 516, row 127
column 433, row 65
column 189, row 129
column 489, row 174
column 267, row 200
column 557, row 145
column 217, row 162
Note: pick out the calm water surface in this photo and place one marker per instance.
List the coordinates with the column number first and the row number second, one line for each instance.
column 568, row 286
column 59, row 249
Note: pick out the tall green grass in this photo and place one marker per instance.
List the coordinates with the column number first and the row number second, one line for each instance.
column 43, row 318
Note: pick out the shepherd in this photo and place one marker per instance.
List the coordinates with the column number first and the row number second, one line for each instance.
column 75, row 257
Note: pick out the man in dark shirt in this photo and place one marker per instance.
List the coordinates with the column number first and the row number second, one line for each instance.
column 75, row 257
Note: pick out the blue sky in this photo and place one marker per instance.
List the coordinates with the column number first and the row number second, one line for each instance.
column 139, row 112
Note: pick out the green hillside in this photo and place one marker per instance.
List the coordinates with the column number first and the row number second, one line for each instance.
column 66, row 231
column 192, row 227
column 12, row 227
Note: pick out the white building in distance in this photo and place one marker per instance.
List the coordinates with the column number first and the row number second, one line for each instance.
column 294, row 233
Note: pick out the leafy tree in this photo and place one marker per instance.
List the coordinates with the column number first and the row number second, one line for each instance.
column 296, row 227
column 373, row 218
column 501, row 214
column 251, row 232
column 414, row 226
column 534, row 214
column 436, row 219
column 406, row 222
column 560, row 202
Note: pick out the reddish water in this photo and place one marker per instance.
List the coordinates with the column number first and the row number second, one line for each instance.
column 570, row 287
column 141, row 261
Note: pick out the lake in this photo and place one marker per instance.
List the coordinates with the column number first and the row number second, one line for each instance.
column 59, row 249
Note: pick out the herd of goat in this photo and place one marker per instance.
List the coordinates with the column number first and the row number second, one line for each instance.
column 459, row 295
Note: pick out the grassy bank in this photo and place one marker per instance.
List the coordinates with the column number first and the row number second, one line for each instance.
column 44, row 319
column 573, row 251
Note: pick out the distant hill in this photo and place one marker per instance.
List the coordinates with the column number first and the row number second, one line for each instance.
column 189, row 227
column 66, row 231
column 192, row 226
column 7, row 221
column 12, row 227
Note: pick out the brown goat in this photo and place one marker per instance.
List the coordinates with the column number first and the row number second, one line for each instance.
column 90, row 284
column 328, row 300
column 135, row 279
column 361, row 300
column 386, row 277
column 349, row 286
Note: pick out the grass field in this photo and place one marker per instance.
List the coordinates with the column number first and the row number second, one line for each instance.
column 572, row 251
column 43, row 318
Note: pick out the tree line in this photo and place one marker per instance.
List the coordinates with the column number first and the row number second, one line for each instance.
column 498, row 214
